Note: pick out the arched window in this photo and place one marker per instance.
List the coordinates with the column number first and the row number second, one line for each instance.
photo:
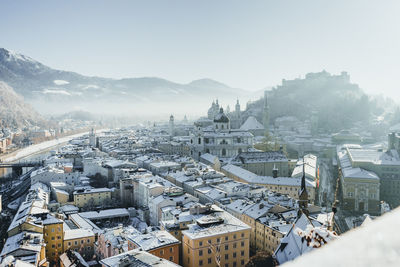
column 223, row 152
column 199, row 141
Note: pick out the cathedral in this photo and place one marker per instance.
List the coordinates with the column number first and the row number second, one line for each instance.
column 235, row 117
column 219, row 138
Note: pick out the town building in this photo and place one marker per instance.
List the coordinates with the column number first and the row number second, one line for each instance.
column 53, row 235
column 28, row 247
column 159, row 243
column 93, row 197
column 81, row 241
column 214, row 239
column 284, row 185
column 270, row 163
column 360, row 188
column 219, row 139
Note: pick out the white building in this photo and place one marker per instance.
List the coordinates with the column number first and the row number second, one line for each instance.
column 219, row 139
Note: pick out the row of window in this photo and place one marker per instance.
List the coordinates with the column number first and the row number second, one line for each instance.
column 219, row 240
column 226, row 255
column 76, row 242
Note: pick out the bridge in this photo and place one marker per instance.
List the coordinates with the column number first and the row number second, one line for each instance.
column 17, row 166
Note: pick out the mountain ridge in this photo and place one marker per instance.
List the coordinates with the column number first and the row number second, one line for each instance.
column 50, row 90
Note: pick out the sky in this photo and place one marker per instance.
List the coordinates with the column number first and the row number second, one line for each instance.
column 245, row 44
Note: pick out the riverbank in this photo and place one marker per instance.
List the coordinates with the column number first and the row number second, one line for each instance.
column 38, row 148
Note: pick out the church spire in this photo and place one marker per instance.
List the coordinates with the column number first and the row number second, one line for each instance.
column 303, row 178
column 303, row 195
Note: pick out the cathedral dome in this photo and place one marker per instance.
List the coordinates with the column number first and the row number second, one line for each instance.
column 221, row 117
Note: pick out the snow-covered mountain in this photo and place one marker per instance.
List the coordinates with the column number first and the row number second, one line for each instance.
column 14, row 112
column 50, row 90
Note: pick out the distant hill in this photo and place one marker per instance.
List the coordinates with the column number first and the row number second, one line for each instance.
column 335, row 101
column 14, row 112
column 56, row 91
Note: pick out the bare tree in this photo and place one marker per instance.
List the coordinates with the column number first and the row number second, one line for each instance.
column 216, row 249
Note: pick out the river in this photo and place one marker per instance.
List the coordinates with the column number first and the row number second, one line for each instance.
column 36, row 152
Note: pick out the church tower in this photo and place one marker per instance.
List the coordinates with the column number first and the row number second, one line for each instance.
column 171, row 125
column 303, row 195
column 92, row 138
column 237, row 108
column 266, row 112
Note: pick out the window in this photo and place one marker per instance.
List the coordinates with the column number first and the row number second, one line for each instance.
column 242, row 253
column 234, row 245
column 59, row 237
column 209, row 251
column 59, row 245
column 218, row 240
column 223, row 152
column 171, row 258
column 53, row 246
column 82, row 241
column 52, row 238
column 226, row 238
column 161, row 252
column 234, row 264
column 171, row 250
column 52, row 230
column 200, row 243
column 200, row 262
column 76, row 243
column 200, row 252
column 242, row 235
column 226, row 247
column 226, row 256
column 234, row 254
column 69, row 243
column 234, row 236
column 88, row 240
column 242, row 243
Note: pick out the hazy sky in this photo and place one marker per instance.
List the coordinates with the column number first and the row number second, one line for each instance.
column 246, row 44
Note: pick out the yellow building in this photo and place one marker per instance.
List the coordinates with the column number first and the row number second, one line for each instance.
column 94, row 197
column 53, row 236
column 62, row 196
column 268, row 237
column 80, row 240
column 217, row 237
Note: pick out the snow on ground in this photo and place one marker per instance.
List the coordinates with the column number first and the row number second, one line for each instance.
column 375, row 244
column 60, row 82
